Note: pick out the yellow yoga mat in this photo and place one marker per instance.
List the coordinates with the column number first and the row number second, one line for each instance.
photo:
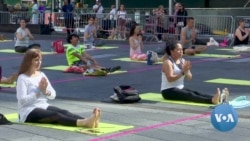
column 63, row 67
column 104, row 128
column 217, row 55
column 1, row 41
column 158, row 98
column 127, row 59
column 13, row 51
column 102, row 47
column 229, row 81
column 226, row 49
column 8, row 85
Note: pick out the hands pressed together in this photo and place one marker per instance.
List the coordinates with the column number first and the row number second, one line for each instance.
column 186, row 66
column 43, row 85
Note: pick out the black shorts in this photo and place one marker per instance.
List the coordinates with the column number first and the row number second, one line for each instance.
column 79, row 63
column 183, row 49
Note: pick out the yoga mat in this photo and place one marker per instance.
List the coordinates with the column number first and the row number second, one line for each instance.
column 5, row 41
column 158, row 98
column 62, row 68
column 217, row 55
column 229, row 81
column 101, row 47
column 13, row 51
column 227, row 49
column 127, row 59
column 8, row 85
column 104, row 128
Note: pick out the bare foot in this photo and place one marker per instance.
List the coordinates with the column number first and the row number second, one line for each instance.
column 216, row 98
column 11, row 79
column 225, row 95
column 98, row 117
column 91, row 121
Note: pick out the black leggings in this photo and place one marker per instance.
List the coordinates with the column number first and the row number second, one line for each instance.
column 53, row 115
column 186, row 95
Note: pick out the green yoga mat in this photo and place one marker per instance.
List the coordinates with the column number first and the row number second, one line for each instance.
column 217, row 55
column 13, row 51
column 8, row 85
column 104, row 128
column 158, row 98
column 62, row 68
column 101, row 47
column 229, row 81
column 127, row 59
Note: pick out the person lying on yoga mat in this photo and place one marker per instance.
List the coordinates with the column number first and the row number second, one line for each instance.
column 174, row 70
column 22, row 35
column 188, row 38
column 7, row 80
column 241, row 34
column 34, row 90
column 136, row 46
column 77, row 56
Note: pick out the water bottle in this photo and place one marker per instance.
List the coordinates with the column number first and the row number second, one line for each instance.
column 149, row 56
column 52, row 49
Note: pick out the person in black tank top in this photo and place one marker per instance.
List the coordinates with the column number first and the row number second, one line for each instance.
column 241, row 34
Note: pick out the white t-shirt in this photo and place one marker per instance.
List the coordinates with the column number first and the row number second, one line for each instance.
column 23, row 43
column 27, row 88
column 112, row 14
column 99, row 13
column 122, row 14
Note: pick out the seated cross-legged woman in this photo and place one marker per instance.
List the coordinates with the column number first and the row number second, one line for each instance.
column 34, row 90
column 241, row 34
column 174, row 70
column 136, row 46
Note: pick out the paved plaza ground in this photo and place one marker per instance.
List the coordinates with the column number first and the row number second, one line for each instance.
column 144, row 121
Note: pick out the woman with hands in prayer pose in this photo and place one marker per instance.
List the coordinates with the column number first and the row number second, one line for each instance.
column 174, row 70
column 33, row 91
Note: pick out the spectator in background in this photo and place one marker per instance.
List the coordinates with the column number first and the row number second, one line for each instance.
column 35, row 15
column 180, row 17
column 121, row 15
column 41, row 9
column 112, row 17
column 241, row 34
column 68, row 9
column 98, row 9
column 160, row 14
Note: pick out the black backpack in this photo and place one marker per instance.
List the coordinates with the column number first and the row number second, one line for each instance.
column 125, row 94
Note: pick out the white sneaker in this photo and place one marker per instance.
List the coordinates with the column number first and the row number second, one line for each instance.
column 212, row 42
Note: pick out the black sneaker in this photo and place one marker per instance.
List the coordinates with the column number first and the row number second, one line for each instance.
column 116, row 68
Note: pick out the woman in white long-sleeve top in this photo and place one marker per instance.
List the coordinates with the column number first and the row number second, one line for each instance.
column 33, row 91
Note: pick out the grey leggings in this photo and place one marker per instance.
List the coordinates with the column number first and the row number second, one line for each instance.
column 53, row 115
column 186, row 95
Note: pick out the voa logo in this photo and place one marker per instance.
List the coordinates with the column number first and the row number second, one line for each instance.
column 224, row 117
